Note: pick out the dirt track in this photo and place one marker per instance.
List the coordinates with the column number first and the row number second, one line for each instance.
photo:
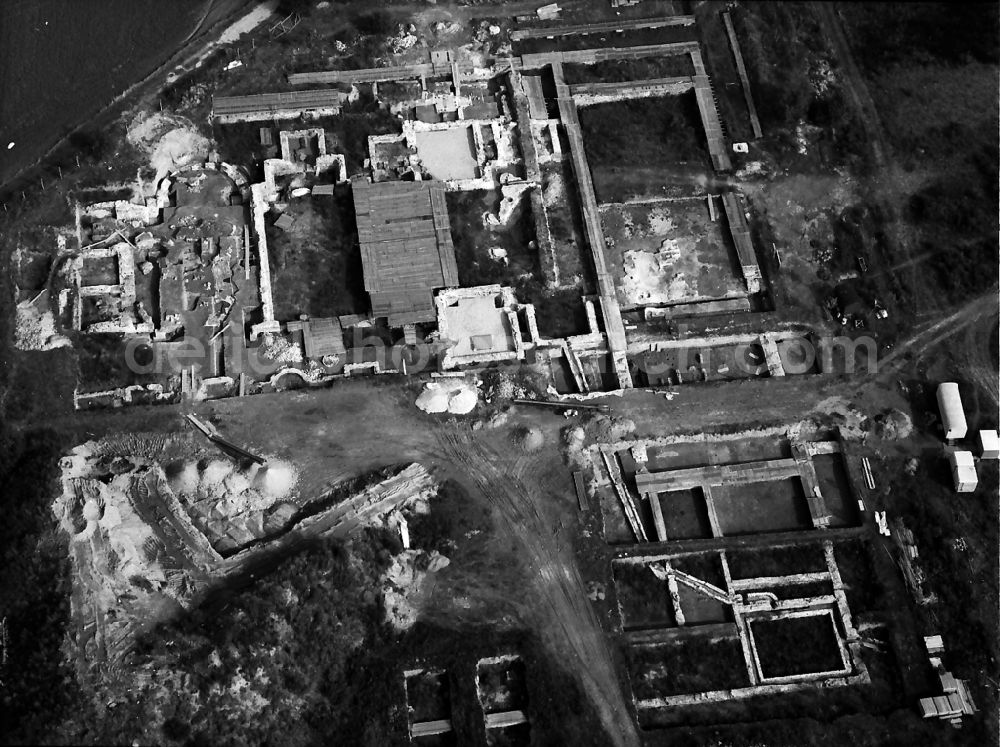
column 337, row 433
column 970, row 326
column 516, row 489
column 854, row 82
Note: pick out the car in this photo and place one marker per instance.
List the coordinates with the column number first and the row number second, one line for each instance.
column 862, row 263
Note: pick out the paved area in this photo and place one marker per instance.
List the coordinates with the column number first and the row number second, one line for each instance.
column 477, row 326
column 448, row 154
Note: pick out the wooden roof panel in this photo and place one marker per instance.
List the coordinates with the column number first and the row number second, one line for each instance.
column 406, row 246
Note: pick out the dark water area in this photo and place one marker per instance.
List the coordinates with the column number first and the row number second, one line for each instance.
column 62, row 61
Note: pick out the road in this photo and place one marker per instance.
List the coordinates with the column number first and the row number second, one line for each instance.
column 517, row 489
column 975, row 320
column 854, row 83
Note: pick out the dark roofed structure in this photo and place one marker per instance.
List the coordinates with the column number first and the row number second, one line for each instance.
column 320, row 337
column 406, row 247
column 268, row 105
column 327, row 338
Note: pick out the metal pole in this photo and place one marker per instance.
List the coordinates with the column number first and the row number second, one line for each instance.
column 562, row 405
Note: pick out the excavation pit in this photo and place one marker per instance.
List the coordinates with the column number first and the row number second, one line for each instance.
column 672, row 252
column 807, row 643
column 758, row 507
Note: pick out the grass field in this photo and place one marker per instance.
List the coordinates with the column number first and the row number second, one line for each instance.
column 643, row 597
column 761, row 507
column 798, row 645
column 690, row 666
column 641, row 132
column 776, row 561
column 685, row 514
column 643, row 68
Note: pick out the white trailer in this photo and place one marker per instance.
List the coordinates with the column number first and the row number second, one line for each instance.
column 952, row 412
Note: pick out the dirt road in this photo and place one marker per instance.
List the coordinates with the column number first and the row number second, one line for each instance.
column 517, row 489
column 975, row 321
column 334, row 434
column 854, row 83
column 887, row 183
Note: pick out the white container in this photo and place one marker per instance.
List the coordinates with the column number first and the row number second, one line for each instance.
column 952, row 412
column 989, row 445
column 963, row 471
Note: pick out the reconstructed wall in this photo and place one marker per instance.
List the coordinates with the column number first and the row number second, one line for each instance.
column 259, row 206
